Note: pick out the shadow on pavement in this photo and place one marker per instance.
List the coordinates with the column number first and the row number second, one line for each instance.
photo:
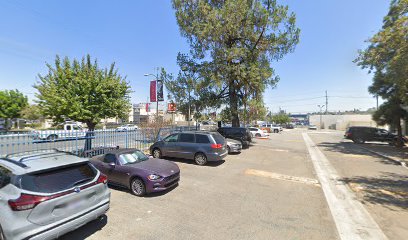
column 352, row 148
column 188, row 161
column 87, row 230
column 389, row 190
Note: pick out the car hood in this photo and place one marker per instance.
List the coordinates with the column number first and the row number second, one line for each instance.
column 158, row 166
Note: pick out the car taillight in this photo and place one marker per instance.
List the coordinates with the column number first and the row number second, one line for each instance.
column 216, row 146
column 102, row 179
column 26, row 201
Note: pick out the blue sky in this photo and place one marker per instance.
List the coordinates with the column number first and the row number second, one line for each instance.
column 142, row 35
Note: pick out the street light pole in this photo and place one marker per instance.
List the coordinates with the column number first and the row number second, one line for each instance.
column 320, row 106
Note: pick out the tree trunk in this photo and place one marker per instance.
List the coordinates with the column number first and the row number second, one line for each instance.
column 89, row 135
column 400, row 141
column 233, row 105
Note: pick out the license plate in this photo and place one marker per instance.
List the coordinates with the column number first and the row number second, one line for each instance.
column 77, row 204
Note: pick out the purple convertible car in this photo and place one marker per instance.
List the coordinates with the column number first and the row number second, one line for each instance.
column 132, row 169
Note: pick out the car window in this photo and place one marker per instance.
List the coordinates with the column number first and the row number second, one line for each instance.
column 130, row 158
column 200, row 138
column 76, row 127
column 219, row 139
column 109, row 158
column 171, row 138
column 187, row 137
column 68, row 127
column 4, row 176
column 59, row 179
column 253, row 129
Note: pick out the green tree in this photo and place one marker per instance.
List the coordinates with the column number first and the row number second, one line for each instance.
column 11, row 103
column 387, row 58
column 31, row 112
column 82, row 91
column 234, row 42
column 281, row 118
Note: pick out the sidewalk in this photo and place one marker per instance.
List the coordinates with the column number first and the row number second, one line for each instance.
column 399, row 155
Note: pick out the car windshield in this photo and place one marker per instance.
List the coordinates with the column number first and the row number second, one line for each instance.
column 130, row 158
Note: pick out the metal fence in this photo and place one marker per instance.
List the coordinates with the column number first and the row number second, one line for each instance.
column 75, row 141
column 81, row 141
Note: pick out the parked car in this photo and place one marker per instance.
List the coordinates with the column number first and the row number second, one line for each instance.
column 237, row 133
column 367, row 134
column 289, row 126
column 233, row 146
column 256, row 132
column 199, row 146
column 271, row 128
column 45, row 194
column 132, row 169
column 63, row 132
column 312, row 127
column 127, row 127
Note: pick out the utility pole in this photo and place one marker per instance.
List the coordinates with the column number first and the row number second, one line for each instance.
column 377, row 100
column 320, row 111
column 327, row 102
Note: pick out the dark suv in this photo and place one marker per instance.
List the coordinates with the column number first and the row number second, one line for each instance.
column 237, row 133
column 200, row 145
column 367, row 134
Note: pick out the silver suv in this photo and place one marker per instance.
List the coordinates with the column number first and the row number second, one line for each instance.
column 45, row 194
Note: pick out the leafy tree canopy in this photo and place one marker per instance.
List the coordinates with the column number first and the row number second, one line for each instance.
column 233, row 42
column 82, row 91
column 11, row 103
column 387, row 58
column 31, row 112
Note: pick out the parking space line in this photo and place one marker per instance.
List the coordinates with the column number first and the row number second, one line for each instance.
column 278, row 176
column 352, row 220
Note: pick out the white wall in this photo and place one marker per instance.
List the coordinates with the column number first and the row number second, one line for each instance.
column 341, row 122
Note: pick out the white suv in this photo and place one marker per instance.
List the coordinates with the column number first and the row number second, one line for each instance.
column 45, row 194
column 256, row 132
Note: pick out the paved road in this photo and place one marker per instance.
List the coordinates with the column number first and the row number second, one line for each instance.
column 280, row 188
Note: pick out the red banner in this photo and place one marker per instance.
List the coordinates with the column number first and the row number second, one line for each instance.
column 171, row 107
column 153, row 91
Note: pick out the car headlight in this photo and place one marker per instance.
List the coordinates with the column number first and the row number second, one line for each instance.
column 153, row 177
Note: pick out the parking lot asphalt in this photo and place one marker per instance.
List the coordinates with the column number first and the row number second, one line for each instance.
column 270, row 191
column 262, row 193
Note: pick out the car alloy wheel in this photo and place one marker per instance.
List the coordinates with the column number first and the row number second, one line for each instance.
column 229, row 149
column 200, row 159
column 275, row 130
column 157, row 153
column 52, row 137
column 138, row 187
column 257, row 135
column 359, row 140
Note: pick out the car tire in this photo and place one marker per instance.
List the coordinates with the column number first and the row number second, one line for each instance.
column 137, row 187
column 157, row 153
column 52, row 137
column 275, row 130
column 229, row 149
column 258, row 135
column 200, row 159
column 358, row 140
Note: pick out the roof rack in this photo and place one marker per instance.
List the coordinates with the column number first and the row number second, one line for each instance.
column 20, row 164
column 43, row 152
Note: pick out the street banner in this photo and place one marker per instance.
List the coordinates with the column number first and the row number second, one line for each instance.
column 160, row 97
column 171, row 107
column 153, row 91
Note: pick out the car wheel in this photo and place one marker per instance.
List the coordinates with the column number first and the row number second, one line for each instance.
column 137, row 187
column 157, row 153
column 275, row 130
column 52, row 137
column 358, row 140
column 257, row 135
column 229, row 149
column 200, row 159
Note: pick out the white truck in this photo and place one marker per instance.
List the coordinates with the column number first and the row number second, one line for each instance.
column 65, row 131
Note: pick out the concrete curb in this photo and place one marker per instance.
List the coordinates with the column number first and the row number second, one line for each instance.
column 392, row 159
